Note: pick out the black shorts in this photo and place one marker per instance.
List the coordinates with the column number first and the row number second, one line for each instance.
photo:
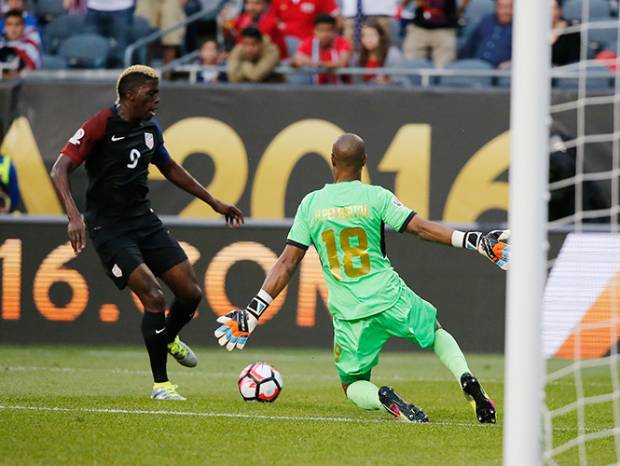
column 124, row 245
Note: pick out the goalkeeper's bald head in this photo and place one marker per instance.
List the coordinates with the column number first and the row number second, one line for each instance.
column 349, row 153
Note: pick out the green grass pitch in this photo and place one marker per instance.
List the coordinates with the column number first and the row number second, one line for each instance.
column 85, row 405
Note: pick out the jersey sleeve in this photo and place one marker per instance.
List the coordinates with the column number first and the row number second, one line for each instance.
column 299, row 235
column 393, row 212
column 161, row 155
column 86, row 137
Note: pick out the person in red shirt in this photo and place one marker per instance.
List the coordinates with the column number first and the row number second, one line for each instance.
column 296, row 17
column 326, row 49
column 258, row 14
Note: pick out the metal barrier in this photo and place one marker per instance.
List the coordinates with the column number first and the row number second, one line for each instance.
column 427, row 77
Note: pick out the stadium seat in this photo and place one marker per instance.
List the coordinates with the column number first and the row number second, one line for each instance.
column 477, row 9
column 467, row 81
column 141, row 28
column 416, row 80
column 60, row 29
column 472, row 16
column 591, row 82
column 599, row 10
column 85, row 51
column 603, row 38
column 47, row 10
column 53, row 62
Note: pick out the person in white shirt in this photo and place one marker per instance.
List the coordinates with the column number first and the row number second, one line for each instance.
column 380, row 10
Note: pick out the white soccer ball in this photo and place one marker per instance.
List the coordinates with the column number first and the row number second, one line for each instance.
column 260, row 382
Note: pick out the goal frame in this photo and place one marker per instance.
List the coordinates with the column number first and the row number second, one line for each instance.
column 529, row 126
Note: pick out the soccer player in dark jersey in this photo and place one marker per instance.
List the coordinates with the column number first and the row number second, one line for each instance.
column 117, row 145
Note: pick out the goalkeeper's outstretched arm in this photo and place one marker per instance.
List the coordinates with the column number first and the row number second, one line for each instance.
column 493, row 245
column 238, row 324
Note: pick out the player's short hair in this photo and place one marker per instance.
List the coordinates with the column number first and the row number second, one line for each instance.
column 132, row 77
column 324, row 18
column 252, row 32
column 14, row 14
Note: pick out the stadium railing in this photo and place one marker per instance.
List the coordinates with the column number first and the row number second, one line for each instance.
column 428, row 77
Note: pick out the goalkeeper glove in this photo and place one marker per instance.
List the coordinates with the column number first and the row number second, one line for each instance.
column 238, row 324
column 492, row 245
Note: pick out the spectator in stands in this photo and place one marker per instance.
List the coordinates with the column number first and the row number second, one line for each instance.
column 163, row 14
column 254, row 59
column 210, row 57
column 491, row 40
column 380, row 10
column 326, row 49
column 109, row 18
column 432, row 32
column 258, row 14
column 31, row 25
column 10, row 199
column 16, row 47
column 566, row 47
column 296, row 18
column 375, row 52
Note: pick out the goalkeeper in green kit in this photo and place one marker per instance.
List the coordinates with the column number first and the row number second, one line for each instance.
column 368, row 300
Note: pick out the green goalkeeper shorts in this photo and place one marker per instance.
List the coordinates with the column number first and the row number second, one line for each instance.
column 357, row 343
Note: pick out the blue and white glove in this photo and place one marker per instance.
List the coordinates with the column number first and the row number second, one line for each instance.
column 236, row 327
column 238, row 324
column 492, row 245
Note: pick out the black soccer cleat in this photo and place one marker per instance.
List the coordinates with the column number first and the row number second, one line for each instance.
column 482, row 404
column 398, row 407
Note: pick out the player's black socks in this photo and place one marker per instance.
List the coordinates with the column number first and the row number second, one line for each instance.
column 156, row 341
column 181, row 312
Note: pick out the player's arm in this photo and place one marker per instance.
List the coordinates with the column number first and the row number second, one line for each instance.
column 239, row 324
column 492, row 245
column 180, row 177
column 76, row 228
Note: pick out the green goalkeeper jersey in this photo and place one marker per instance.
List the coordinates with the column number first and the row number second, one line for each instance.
column 345, row 223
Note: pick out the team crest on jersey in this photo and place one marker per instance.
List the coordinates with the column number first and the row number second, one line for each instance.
column 149, row 140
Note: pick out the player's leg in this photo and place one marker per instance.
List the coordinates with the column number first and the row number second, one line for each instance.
column 416, row 320
column 357, row 345
column 449, row 353
column 187, row 295
column 144, row 284
column 167, row 260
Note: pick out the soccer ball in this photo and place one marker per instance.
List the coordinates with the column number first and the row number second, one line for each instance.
column 260, row 382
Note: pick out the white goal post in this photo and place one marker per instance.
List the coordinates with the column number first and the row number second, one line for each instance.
column 530, row 100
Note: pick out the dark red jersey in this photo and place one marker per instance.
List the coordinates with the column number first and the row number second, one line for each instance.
column 117, row 155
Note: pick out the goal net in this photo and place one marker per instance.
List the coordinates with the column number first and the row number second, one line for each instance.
column 581, row 306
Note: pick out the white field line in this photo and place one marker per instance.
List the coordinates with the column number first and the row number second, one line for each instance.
column 207, row 414
column 222, row 415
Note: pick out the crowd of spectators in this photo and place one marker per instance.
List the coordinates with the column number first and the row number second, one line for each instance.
column 252, row 37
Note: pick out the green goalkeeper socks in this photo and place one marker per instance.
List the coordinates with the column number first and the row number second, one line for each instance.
column 447, row 350
column 364, row 395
